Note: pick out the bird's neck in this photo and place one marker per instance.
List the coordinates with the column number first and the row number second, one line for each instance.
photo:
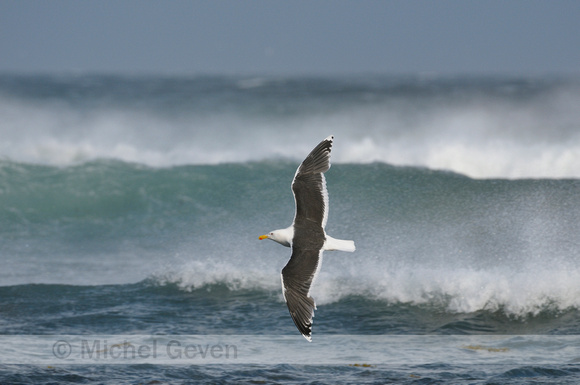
column 284, row 236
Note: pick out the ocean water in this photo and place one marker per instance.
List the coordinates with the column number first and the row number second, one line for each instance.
column 130, row 210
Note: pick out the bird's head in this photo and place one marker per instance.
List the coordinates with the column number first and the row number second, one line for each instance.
column 273, row 235
column 281, row 236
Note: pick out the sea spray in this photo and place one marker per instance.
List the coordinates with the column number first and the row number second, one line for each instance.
column 481, row 127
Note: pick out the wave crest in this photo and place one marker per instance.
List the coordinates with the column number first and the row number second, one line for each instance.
column 482, row 128
column 516, row 293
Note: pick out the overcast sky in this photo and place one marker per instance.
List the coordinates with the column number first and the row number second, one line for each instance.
column 291, row 37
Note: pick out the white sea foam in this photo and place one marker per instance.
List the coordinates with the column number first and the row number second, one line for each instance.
column 197, row 274
column 482, row 138
column 518, row 293
column 519, row 289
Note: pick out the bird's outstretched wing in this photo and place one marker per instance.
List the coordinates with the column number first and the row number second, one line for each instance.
column 297, row 277
column 309, row 188
column 309, row 185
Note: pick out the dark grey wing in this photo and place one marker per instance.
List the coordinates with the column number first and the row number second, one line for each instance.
column 309, row 185
column 297, row 277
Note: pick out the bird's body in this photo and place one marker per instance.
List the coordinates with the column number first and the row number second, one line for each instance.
column 307, row 237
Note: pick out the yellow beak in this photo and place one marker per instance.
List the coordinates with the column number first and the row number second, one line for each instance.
column 262, row 237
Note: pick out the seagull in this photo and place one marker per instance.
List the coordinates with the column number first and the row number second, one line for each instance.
column 306, row 236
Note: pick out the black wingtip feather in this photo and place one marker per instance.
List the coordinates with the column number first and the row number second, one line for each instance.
column 319, row 158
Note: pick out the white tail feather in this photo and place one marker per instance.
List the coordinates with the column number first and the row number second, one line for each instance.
column 332, row 244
